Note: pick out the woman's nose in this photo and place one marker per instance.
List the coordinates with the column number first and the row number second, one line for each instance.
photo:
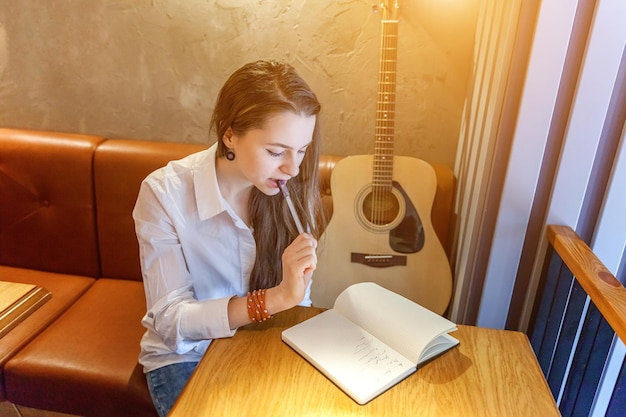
column 291, row 166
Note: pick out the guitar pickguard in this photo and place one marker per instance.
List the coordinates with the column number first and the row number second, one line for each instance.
column 408, row 236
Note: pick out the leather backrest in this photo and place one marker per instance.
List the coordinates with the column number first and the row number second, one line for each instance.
column 120, row 165
column 47, row 216
column 51, row 184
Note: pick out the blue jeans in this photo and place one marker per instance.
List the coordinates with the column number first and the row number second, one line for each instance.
column 166, row 383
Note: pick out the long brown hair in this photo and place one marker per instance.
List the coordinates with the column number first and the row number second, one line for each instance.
column 253, row 94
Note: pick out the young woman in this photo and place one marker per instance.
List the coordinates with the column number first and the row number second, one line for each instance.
column 218, row 246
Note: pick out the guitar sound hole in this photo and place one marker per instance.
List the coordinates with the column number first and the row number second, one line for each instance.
column 381, row 207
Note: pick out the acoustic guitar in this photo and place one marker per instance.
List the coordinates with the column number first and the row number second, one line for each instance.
column 380, row 230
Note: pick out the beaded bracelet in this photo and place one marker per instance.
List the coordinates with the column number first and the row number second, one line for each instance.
column 257, row 310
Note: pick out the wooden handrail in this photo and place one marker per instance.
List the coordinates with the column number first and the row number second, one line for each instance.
column 605, row 291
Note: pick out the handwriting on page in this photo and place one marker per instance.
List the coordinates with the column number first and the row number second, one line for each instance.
column 374, row 360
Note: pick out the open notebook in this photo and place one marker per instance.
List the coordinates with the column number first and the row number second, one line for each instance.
column 370, row 340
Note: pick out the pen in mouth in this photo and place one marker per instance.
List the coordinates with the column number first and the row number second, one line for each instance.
column 283, row 188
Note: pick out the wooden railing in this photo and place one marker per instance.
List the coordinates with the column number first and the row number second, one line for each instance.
column 605, row 291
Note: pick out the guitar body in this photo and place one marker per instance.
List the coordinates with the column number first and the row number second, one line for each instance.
column 398, row 250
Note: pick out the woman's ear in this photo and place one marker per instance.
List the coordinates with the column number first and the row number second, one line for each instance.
column 228, row 138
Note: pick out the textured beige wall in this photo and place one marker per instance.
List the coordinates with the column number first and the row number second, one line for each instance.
column 150, row 69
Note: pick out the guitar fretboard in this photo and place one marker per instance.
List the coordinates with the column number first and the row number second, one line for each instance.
column 385, row 108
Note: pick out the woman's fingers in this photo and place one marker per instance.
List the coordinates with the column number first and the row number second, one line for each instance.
column 299, row 262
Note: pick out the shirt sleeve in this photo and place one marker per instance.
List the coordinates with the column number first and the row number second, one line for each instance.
column 306, row 301
column 173, row 312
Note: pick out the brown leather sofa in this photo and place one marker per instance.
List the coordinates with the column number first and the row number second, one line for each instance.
column 66, row 225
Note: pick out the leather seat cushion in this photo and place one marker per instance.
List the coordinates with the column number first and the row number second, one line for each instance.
column 86, row 362
column 65, row 290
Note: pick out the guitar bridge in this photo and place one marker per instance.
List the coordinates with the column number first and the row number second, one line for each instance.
column 378, row 261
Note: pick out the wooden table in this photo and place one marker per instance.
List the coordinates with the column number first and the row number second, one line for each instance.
column 18, row 301
column 491, row 373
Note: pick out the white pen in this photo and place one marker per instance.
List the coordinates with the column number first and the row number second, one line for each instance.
column 292, row 209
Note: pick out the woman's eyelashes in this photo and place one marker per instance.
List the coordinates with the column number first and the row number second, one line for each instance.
column 301, row 152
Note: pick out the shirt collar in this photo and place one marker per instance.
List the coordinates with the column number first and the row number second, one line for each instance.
column 208, row 196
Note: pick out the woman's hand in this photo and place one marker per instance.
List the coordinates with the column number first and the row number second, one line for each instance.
column 299, row 262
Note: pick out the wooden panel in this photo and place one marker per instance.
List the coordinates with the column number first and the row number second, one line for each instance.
column 18, row 301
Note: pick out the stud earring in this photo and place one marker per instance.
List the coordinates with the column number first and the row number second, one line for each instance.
column 230, row 155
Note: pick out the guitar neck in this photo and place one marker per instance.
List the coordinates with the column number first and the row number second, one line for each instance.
column 386, row 107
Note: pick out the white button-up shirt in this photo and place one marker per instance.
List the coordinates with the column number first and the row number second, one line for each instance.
column 196, row 254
